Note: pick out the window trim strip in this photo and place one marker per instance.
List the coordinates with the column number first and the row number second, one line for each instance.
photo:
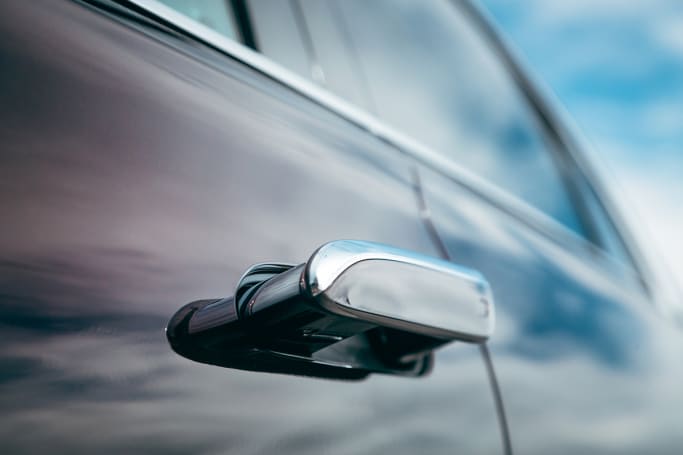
column 503, row 200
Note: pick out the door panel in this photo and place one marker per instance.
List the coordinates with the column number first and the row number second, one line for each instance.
column 141, row 172
column 584, row 362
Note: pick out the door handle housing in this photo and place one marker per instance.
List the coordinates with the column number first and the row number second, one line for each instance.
column 353, row 308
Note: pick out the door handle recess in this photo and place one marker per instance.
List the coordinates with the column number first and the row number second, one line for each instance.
column 352, row 309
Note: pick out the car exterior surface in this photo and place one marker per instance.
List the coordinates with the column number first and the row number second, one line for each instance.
column 152, row 152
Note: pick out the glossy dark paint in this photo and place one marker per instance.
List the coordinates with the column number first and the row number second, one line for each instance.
column 140, row 171
column 137, row 178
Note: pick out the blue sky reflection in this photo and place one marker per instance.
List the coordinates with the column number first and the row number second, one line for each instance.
column 617, row 67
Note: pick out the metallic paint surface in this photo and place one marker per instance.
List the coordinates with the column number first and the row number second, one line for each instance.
column 139, row 172
column 584, row 361
column 136, row 178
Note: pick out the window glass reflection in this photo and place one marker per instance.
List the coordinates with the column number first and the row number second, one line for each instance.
column 278, row 35
column 432, row 75
column 212, row 13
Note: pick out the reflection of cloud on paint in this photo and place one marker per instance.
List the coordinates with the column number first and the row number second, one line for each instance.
column 577, row 419
column 149, row 399
column 617, row 67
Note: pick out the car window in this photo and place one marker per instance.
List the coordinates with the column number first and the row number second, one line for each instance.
column 332, row 50
column 308, row 38
column 280, row 37
column 275, row 28
column 423, row 68
column 214, row 14
column 604, row 229
column 432, row 75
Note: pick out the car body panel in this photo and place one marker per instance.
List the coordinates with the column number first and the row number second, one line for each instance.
column 585, row 362
column 142, row 170
column 138, row 177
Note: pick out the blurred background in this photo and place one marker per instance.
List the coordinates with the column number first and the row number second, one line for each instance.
column 617, row 68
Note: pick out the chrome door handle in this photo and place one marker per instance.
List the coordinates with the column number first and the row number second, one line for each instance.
column 353, row 308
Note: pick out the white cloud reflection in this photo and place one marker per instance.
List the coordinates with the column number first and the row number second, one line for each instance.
column 617, row 68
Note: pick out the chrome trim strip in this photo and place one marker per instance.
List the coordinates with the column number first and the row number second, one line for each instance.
column 494, row 194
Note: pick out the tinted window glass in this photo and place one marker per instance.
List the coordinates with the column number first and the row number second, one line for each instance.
column 278, row 35
column 332, row 47
column 433, row 76
column 606, row 232
column 214, row 14
column 307, row 37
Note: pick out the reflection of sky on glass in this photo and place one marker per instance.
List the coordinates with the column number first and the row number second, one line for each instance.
column 456, row 96
column 618, row 69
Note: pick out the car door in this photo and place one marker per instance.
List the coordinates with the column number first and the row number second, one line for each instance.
column 148, row 161
column 584, row 359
